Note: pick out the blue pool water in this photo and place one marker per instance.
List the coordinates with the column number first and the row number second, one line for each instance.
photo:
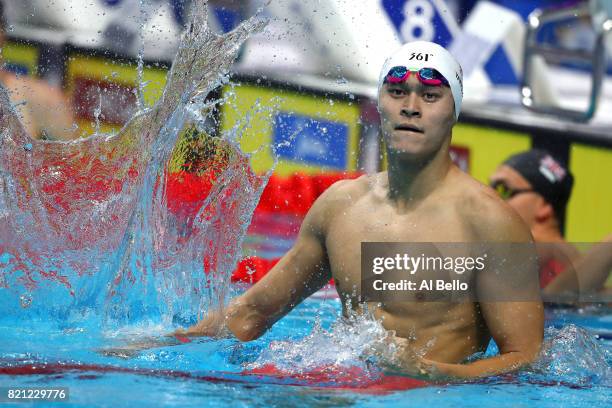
column 575, row 369
column 188, row 374
column 48, row 338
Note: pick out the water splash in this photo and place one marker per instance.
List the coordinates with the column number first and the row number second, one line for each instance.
column 573, row 356
column 357, row 344
column 89, row 224
column 142, row 18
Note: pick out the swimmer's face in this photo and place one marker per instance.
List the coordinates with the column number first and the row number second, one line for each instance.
column 530, row 205
column 416, row 119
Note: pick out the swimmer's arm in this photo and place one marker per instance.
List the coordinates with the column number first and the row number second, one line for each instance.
column 591, row 271
column 54, row 113
column 49, row 110
column 516, row 326
column 301, row 272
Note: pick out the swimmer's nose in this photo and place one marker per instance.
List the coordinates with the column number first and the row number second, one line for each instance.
column 410, row 112
column 411, row 107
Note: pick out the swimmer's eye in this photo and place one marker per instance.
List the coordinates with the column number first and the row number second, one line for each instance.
column 396, row 91
column 431, row 96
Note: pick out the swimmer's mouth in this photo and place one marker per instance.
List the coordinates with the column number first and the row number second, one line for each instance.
column 410, row 128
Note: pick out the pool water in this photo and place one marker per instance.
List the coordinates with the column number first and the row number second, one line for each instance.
column 206, row 372
column 41, row 348
column 44, row 343
column 68, row 351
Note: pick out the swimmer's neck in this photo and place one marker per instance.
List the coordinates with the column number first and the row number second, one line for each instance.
column 410, row 182
column 546, row 232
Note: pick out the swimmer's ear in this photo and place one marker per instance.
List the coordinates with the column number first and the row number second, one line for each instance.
column 544, row 210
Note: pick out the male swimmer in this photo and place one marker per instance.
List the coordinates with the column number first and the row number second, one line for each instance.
column 423, row 197
column 44, row 110
column 538, row 187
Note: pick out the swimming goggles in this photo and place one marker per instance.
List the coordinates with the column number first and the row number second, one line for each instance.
column 506, row 192
column 427, row 76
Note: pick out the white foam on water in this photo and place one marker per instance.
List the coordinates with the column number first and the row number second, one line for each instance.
column 357, row 341
column 573, row 355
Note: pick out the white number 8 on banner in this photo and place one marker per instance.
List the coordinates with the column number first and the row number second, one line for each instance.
column 418, row 23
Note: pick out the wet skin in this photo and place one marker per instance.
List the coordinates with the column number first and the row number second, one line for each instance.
column 422, row 198
column 44, row 110
column 584, row 274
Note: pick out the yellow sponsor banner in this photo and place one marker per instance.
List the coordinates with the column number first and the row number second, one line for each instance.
column 589, row 213
column 21, row 58
column 312, row 133
column 488, row 147
column 104, row 91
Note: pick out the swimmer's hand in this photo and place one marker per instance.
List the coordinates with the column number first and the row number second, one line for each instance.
column 400, row 358
column 418, row 367
column 396, row 356
column 212, row 325
column 132, row 349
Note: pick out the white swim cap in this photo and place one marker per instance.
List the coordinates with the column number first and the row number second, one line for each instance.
column 425, row 54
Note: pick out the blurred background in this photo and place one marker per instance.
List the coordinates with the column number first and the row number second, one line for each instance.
column 532, row 79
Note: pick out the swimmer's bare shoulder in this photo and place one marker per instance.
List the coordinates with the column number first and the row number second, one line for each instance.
column 338, row 197
column 488, row 216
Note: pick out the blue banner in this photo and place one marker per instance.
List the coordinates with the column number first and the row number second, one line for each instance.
column 311, row 141
column 426, row 20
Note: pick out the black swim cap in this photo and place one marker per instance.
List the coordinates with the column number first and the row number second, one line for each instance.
column 548, row 176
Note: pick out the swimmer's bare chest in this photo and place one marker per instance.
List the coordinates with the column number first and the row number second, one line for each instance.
column 414, row 319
